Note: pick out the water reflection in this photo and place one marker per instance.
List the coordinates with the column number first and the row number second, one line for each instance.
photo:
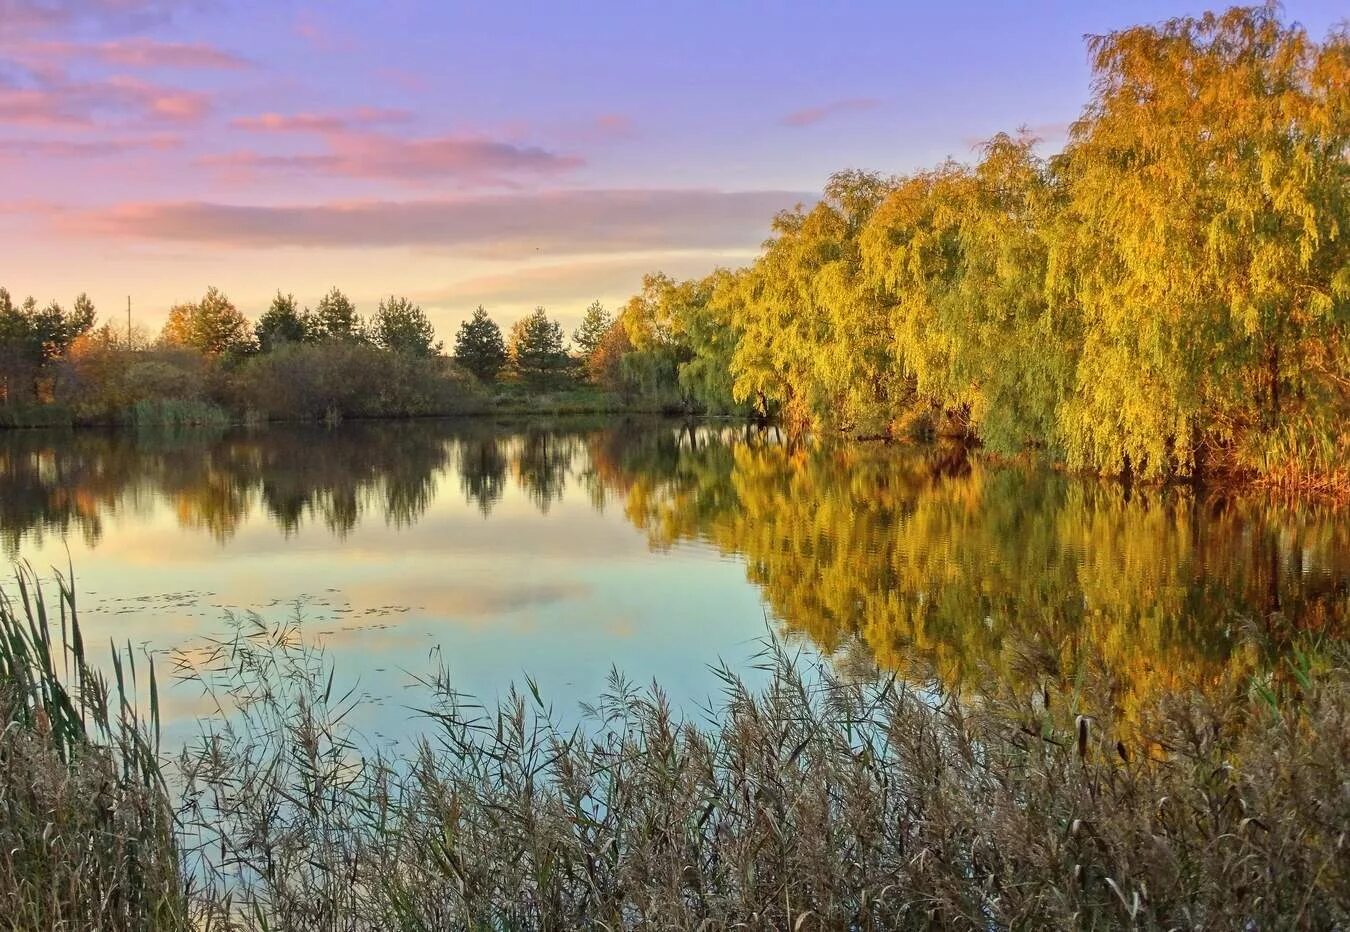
column 899, row 556
column 928, row 559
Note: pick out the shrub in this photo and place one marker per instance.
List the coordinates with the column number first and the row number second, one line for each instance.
column 348, row 379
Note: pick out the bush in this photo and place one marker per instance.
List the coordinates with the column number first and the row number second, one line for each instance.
column 16, row 414
column 347, row 379
column 105, row 383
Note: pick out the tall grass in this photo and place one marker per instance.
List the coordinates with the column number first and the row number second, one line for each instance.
column 176, row 413
column 86, row 839
column 808, row 802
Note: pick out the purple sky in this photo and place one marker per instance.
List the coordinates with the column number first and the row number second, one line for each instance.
column 509, row 155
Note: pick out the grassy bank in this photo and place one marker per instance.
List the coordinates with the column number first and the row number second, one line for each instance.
column 167, row 412
column 807, row 802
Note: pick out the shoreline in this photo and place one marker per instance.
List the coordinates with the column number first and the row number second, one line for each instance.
column 1332, row 491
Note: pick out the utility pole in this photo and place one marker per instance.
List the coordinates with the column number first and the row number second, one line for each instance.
column 128, row 321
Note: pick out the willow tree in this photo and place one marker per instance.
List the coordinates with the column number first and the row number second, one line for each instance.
column 812, row 336
column 708, row 328
column 963, row 253
column 680, row 338
column 858, row 366
column 779, row 325
column 1207, row 187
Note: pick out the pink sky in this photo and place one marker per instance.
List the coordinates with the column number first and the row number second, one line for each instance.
column 461, row 154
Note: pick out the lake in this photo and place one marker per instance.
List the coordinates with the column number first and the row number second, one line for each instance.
column 563, row 549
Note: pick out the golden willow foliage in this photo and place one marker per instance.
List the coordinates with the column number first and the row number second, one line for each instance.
column 1168, row 295
column 932, row 562
column 1207, row 241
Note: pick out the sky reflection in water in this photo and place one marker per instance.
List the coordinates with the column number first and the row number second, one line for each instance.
column 560, row 549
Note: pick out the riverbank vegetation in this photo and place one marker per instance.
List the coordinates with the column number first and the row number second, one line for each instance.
column 1166, row 298
column 209, row 365
column 805, row 801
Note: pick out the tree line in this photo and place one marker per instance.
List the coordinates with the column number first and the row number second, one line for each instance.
column 328, row 360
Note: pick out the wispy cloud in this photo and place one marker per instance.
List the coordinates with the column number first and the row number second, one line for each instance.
column 501, row 226
column 55, row 100
column 809, row 116
column 379, row 155
column 137, row 52
column 19, row 17
column 316, row 31
column 614, row 124
column 85, row 148
column 334, row 122
column 1053, row 134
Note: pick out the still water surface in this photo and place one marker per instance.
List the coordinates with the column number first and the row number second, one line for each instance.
column 562, row 549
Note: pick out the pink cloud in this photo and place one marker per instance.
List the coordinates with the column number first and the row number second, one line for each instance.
column 57, row 101
column 156, row 100
column 565, row 222
column 403, row 78
column 321, row 122
column 578, row 280
column 318, row 33
column 1053, row 133
column 614, row 124
column 147, row 53
column 85, row 148
column 131, row 53
column 809, row 116
column 377, row 155
column 26, row 16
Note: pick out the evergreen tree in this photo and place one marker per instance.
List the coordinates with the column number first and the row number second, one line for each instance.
column 591, row 333
column 33, row 337
column 280, row 324
column 402, row 327
column 335, row 318
column 536, row 347
column 479, row 346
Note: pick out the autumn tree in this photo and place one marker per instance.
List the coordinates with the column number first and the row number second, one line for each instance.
column 1207, row 184
column 402, row 327
column 604, row 366
column 961, row 256
column 280, row 324
column 213, row 326
column 536, row 348
column 479, row 347
column 814, row 339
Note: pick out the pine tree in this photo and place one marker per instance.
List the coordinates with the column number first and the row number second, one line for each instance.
column 280, row 324
column 591, row 333
column 402, row 327
column 536, row 347
column 479, row 346
column 335, row 318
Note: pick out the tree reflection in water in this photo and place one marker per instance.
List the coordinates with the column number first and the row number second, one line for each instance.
column 906, row 558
